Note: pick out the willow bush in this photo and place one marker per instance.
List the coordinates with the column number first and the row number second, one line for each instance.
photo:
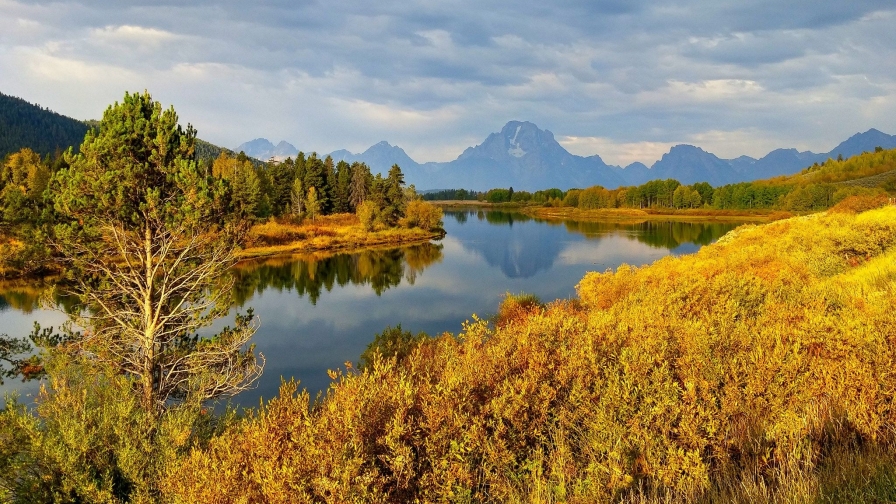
column 746, row 371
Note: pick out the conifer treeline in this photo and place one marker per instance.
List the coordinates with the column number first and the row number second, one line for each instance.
column 308, row 185
column 304, row 187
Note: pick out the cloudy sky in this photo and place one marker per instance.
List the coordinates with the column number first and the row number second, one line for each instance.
column 623, row 79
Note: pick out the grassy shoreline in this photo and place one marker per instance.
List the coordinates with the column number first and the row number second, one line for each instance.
column 622, row 214
column 635, row 214
column 328, row 234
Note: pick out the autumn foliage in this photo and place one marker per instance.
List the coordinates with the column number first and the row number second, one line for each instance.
column 741, row 372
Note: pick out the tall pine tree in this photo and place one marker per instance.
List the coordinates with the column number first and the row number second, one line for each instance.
column 343, row 182
column 393, row 196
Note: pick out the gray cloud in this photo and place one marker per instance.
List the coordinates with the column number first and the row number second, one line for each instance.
column 435, row 77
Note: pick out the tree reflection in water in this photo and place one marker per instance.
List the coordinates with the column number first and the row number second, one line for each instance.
column 305, row 274
column 26, row 295
column 309, row 274
column 658, row 234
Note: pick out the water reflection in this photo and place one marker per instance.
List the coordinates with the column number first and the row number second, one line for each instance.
column 309, row 275
column 21, row 299
column 317, row 312
column 667, row 235
column 524, row 251
column 27, row 296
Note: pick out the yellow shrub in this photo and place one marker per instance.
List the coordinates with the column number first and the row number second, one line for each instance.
column 765, row 352
column 423, row 215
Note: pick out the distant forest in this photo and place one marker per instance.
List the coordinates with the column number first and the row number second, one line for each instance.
column 48, row 133
column 23, row 124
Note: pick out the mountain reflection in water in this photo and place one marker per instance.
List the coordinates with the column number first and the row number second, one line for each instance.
column 523, row 251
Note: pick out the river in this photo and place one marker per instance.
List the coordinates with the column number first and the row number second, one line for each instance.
column 317, row 312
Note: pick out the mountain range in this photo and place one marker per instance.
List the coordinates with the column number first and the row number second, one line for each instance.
column 526, row 157
column 521, row 156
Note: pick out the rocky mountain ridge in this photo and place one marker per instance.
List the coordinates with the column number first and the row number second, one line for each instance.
column 526, row 157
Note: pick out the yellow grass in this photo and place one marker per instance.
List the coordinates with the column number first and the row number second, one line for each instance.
column 329, row 233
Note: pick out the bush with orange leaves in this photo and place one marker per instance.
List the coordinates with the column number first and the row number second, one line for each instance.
column 711, row 376
column 861, row 203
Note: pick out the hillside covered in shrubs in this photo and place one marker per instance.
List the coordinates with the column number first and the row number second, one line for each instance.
column 758, row 369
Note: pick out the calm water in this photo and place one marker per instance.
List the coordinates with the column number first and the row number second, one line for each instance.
column 318, row 312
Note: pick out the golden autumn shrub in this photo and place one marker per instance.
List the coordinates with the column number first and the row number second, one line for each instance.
column 766, row 356
column 516, row 308
column 423, row 215
column 861, row 202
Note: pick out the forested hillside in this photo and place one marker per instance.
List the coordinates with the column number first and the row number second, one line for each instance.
column 208, row 151
column 23, row 124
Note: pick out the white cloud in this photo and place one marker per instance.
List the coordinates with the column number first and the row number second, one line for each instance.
column 708, row 90
column 624, row 83
column 131, row 34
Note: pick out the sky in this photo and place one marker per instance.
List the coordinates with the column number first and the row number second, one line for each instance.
column 625, row 79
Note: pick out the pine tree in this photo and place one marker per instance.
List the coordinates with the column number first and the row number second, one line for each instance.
column 360, row 185
column 137, row 228
column 281, row 174
column 315, row 176
column 246, row 191
column 328, row 191
column 343, row 183
column 393, row 193
column 300, row 168
column 297, row 198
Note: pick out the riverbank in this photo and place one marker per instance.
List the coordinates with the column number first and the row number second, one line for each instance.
column 622, row 214
column 331, row 233
column 327, row 234
column 665, row 214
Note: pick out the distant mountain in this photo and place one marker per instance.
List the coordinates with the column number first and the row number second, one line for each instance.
column 525, row 157
column 23, row 124
column 522, row 156
column 379, row 157
column 282, row 151
column 260, row 148
column 863, row 142
column 689, row 164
